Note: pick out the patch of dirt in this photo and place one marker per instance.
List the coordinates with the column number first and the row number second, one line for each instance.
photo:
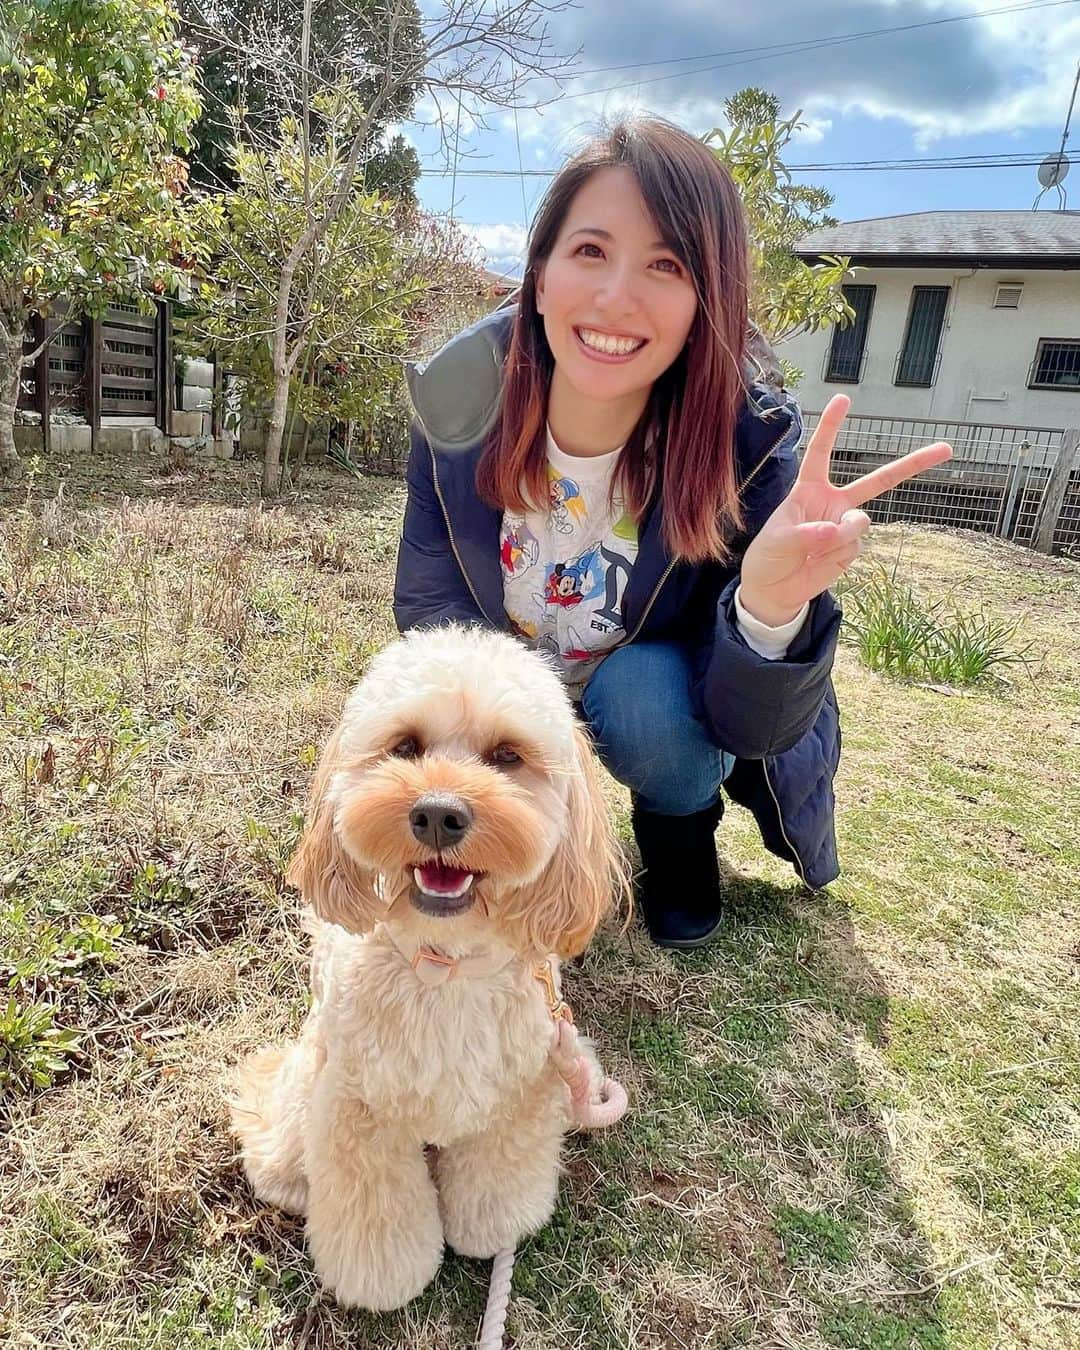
column 746, row 1234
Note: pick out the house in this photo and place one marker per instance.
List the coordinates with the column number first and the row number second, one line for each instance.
column 960, row 316
column 499, row 285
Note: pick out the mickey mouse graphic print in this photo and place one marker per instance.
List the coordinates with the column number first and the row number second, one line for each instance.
column 565, row 569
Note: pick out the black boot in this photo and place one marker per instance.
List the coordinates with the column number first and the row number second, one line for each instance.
column 679, row 889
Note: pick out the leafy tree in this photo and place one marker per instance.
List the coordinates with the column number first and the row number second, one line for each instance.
column 789, row 295
column 473, row 51
column 356, row 298
column 95, row 98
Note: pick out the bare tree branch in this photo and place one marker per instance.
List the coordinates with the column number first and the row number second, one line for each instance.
column 485, row 55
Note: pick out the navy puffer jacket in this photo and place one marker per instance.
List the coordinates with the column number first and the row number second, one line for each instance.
column 779, row 718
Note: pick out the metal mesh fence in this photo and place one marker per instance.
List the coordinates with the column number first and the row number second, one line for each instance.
column 994, row 483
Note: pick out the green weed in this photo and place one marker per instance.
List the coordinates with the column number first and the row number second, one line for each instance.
column 897, row 633
column 32, row 1050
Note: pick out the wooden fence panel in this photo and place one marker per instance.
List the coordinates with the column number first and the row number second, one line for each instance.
column 67, row 363
column 129, row 359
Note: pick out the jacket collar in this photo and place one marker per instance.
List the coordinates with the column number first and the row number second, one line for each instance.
column 766, row 418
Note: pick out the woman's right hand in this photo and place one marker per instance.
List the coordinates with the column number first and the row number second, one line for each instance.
column 816, row 532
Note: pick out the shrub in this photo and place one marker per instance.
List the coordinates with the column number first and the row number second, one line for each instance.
column 898, row 634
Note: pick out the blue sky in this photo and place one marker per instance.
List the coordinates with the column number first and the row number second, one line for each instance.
column 996, row 83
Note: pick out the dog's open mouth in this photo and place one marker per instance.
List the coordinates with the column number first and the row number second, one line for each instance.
column 441, row 889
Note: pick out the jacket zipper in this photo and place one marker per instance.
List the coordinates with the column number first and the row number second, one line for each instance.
column 646, row 611
column 668, row 570
column 764, row 763
column 453, row 541
column 780, row 820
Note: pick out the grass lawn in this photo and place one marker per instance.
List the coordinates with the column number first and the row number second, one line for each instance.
column 855, row 1119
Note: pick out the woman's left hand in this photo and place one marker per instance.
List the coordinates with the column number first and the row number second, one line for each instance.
column 816, row 532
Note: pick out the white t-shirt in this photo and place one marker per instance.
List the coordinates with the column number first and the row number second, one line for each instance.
column 565, row 570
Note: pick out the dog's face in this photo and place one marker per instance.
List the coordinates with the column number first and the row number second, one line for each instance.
column 459, row 788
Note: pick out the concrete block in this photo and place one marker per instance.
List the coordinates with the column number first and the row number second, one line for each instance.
column 199, row 373
column 28, row 440
column 191, row 445
column 117, row 440
column 186, row 424
column 71, row 439
column 253, row 440
column 132, row 440
column 151, row 439
column 196, row 398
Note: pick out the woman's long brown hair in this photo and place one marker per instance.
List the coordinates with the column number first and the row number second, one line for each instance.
column 694, row 405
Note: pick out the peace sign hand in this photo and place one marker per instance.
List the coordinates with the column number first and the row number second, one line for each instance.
column 816, row 532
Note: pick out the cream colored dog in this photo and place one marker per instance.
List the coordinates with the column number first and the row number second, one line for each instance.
column 457, row 845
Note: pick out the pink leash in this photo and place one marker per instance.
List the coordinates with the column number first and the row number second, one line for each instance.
column 591, row 1108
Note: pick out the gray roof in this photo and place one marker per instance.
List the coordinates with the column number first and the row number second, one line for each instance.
column 501, row 280
column 1038, row 238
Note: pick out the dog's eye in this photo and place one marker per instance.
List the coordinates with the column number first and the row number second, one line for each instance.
column 407, row 748
column 504, row 754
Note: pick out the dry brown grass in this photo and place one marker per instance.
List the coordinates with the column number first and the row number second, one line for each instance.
column 854, row 1119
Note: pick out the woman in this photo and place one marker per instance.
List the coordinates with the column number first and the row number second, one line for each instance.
column 604, row 471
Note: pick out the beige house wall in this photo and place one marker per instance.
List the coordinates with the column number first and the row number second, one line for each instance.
column 986, row 354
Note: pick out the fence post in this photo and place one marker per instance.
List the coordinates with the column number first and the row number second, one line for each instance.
column 1006, row 527
column 1054, row 493
column 92, row 376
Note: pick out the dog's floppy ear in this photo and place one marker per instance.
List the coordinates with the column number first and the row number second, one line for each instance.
column 587, row 871
column 337, row 887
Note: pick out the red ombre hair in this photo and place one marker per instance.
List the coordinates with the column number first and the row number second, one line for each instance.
column 692, row 409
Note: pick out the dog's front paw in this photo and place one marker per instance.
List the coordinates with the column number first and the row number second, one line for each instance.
column 382, row 1265
column 481, row 1226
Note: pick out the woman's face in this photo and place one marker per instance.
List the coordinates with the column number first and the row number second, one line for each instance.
column 616, row 301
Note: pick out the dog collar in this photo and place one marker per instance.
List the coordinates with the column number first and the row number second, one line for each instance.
column 434, row 967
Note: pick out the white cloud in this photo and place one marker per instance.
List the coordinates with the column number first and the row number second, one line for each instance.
column 503, row 245
column 815, row 130
column 999, row 73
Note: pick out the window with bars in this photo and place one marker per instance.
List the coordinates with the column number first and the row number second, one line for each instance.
column 917, row 364
column 848, row 347
column 1056, row 364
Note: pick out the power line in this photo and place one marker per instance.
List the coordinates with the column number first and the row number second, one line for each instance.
column 836, row 38
column 799, row 48
column 1018, row 160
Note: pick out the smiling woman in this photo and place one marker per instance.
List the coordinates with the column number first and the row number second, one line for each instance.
column 635, row 510
column 617, row 305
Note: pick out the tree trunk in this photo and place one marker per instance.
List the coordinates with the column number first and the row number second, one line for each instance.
column 275, row 431
column 11, row 354
column 302, row 460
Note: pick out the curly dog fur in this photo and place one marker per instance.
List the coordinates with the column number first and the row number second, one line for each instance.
column 458, row 756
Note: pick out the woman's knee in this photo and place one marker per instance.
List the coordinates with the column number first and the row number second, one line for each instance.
column 639, row 709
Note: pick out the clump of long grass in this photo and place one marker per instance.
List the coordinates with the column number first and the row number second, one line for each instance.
column 898, row 633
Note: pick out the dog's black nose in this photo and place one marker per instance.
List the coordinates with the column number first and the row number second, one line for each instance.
column 440, row 820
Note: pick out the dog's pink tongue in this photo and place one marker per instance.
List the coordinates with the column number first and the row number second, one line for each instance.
column 438, row 877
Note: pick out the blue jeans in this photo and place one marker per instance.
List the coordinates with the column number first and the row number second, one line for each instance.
column 637, row 706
